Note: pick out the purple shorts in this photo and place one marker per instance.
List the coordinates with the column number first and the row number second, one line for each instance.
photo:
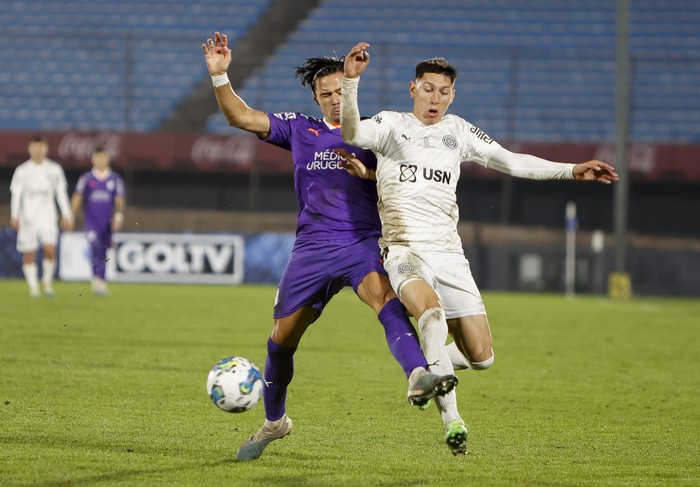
column 317, row 270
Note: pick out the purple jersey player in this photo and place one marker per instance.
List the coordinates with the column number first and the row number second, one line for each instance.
column 101, row 191
column 336, row 245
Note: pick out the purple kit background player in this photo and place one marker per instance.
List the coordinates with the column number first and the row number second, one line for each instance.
column 336, row 244
column 102, row 192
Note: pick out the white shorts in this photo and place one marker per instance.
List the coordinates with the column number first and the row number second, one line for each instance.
column 447, row 272
column 30, row 237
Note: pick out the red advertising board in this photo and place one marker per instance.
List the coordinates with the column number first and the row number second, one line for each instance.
column 243, row 152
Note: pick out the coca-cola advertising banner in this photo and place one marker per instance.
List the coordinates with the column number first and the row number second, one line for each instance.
column 152, row 151
column 243, row 153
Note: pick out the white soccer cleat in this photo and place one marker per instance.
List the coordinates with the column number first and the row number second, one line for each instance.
column 99, row 287
column 424, row 385
column 270, row 431
column 48, row 290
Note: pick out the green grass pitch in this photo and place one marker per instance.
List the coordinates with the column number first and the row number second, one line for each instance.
column 111, row 391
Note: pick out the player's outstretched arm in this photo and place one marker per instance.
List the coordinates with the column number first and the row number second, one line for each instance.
column 218, row 58
column 355, row 63
column 354, row 166
column 595, row 170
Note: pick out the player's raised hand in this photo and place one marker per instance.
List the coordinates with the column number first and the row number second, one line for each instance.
column 357, row 60
column 217, row 54
column 595, row 170
column 353, row 165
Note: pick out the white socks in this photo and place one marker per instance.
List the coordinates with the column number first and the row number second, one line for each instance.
column 31, row 276
column 48, row 268
column 433, row 330
column 459, row 361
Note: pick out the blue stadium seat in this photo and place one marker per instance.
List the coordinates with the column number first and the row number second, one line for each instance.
column 549, row 64
column 96, row 52
column 537, row 71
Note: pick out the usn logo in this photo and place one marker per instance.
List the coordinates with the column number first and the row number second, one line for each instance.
column 409, row 171
column 405, row 268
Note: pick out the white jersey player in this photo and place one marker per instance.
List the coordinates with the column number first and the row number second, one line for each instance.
column 37, row 185
column 419, row 155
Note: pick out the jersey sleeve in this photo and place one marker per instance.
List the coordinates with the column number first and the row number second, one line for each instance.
column 361, row 133
column 281, row 129
column 529, row 166
column 62, row 193
column 80, row 185
column 16, row 190
column 374, row 133
column 477, row 145
column 121, row 189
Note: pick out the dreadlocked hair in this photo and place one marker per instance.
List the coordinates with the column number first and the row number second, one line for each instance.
column 318, row 66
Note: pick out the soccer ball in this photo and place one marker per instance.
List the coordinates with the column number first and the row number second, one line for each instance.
column 235, row 384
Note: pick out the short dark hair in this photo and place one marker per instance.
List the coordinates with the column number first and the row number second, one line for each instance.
column 318, row 66
column 98, row 149
column 438, row 65
column 38, row 138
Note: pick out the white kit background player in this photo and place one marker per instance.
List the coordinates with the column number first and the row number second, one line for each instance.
column 419, row 157
column 37, row 185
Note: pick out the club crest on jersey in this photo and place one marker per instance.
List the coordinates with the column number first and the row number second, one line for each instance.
column 408, row 173
column 377, row 119
column 449, row 141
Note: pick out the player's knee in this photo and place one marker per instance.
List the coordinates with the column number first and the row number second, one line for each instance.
column 483, row 364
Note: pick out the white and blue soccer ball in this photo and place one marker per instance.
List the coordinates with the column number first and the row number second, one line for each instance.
column 235, row 384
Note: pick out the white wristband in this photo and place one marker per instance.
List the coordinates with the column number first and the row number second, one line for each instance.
column 220, row 80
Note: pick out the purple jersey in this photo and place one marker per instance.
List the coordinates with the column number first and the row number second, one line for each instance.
column 333, row 205
column 98, row 198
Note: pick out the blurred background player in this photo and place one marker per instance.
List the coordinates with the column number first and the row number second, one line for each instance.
column 419, row 158
column 336, row 239
column 37, row 185
column 101, row 191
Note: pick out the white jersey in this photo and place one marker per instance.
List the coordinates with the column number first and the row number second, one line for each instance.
column 35, row 190
column 418, row 167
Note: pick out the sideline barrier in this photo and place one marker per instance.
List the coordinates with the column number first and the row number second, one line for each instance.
column 180, row 258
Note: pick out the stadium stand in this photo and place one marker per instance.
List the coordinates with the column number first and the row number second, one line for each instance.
column 541, row 71
column 537, row 71
column 105, row 65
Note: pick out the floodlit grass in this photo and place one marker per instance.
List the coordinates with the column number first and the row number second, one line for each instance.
column 111, row 391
